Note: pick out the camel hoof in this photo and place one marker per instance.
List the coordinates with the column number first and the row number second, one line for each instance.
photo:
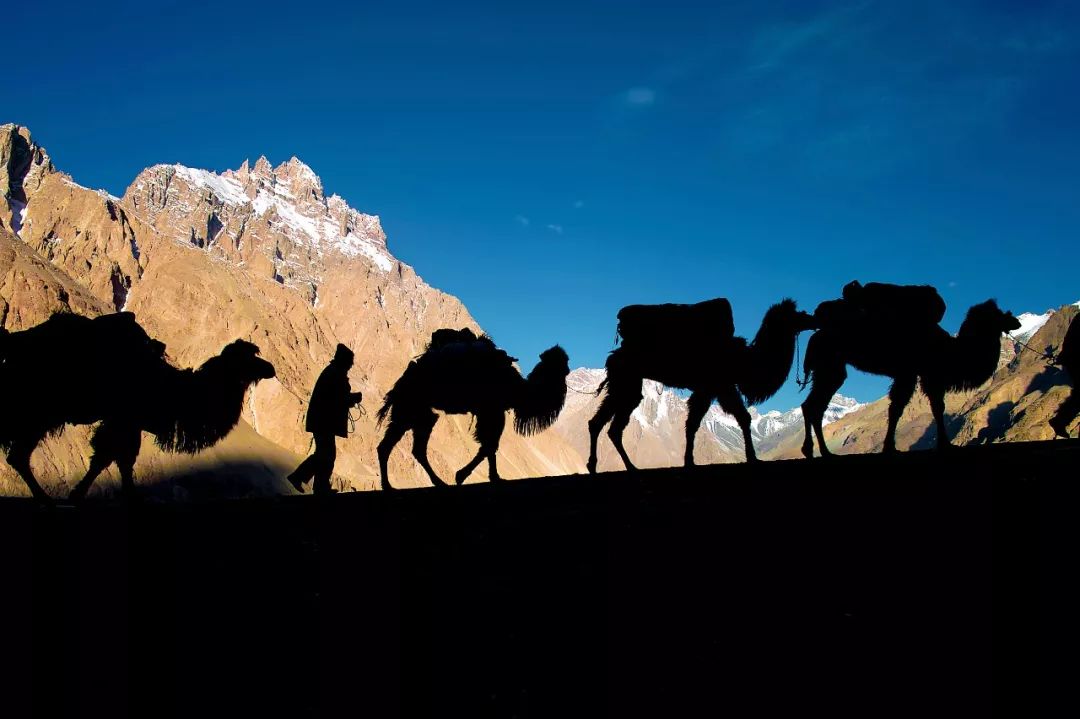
column 591, row 466
column 808, row 452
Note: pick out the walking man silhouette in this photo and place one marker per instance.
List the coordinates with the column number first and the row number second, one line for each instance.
column 327, row 419
column 1069, row 360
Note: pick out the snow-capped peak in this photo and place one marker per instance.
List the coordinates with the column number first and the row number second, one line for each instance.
column 227, row 189
column 290, row 198
column 585, row 379
column 1030, row 323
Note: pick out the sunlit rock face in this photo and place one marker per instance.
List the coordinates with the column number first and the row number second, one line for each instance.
column 259, row 253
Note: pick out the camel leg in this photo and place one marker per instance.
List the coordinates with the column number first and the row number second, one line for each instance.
column 99, row 460
column 936, row 395
column 808, row 434
column 421, row 434
column 464, row 472
column 603, row 415
column 489, row 429
column 615, row 432
column 111, row 443
column 731, row 402
column 899, row 396
column 394, row 432
column 626, row 401
column 19, row 459
column 489, row 433
column 826, row 381
column 696, row 407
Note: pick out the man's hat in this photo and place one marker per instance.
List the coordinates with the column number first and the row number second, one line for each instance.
column 343, row 353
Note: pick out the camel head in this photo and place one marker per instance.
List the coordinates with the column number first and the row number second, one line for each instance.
column 788, row 315
column 988, row 318
column 544, row 393
column 557, row 359
column 242, row 358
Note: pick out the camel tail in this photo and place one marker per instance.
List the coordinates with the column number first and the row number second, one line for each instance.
column 395, row 393
column 527, row 425
column 190, row 436
column 384, row 411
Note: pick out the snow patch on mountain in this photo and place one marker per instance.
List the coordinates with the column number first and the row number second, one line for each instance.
column 1030, row 323
column 325, row 223
column 227, row 190
column 18, row 215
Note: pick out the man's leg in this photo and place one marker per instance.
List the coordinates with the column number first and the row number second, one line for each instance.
column 325, row 455
column 304, row 472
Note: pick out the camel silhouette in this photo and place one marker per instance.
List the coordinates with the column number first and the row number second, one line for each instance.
column 77, row 370
column 912, row 353
column 460, row 373
column 701, row 355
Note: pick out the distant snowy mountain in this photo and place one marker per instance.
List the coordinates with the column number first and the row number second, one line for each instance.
column 661, row 416
column 769, row 428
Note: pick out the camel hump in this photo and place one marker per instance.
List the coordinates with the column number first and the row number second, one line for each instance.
column 902, row 304
column 659, row 323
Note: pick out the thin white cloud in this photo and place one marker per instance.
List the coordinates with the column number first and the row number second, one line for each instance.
column 640, row 96
column 557, row 229
column 578, row 204
column 522, row 220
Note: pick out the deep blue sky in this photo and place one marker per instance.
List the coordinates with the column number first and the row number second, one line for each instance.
column 549, row 164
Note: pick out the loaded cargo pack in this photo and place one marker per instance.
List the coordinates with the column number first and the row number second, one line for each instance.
column 915, row 304
column 710, row 320
column 896, row 305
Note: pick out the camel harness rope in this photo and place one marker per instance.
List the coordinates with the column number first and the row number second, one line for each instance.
column 805, row 379
column 1049, row 358
column 354, row 420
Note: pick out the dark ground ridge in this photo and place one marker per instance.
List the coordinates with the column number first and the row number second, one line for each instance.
column 854, row 586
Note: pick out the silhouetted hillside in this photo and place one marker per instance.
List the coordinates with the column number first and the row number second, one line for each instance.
column 858, row 586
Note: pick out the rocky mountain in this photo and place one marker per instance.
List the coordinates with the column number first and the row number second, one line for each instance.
column 259, row 253
column 264, row 254
column 655, row 435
